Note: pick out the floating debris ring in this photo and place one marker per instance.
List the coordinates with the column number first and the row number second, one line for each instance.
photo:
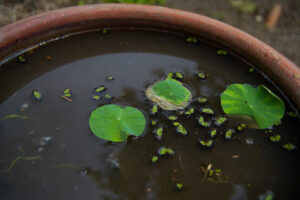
column 169, row 94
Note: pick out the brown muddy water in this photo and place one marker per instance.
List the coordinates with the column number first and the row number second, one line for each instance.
column 53, row 154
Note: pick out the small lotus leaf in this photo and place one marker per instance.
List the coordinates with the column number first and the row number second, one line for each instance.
column 259, row 103
column 114, row 123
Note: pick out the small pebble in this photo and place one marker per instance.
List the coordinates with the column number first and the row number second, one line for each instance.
column 249, row 141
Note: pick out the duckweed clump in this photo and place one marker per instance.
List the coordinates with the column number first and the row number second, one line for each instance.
column 110, row 78
column 22, row 59
column 154, row 159
column 96, row 97
column 158, row 133
column 213, row 133
column 67, row 93
column 206, row 144
column 275, row 138
column 207, row 111
column 220, row 120
column 268, row 131
column 202, row 122
column 172, row 118
column 201, row 100
column 101, row 88
column 215, row 176
column 201, row 75
column 37, row 95
column 241, row 127
column 170, row 75
column 108, row 96
column 164, row 151
column 289, row 147
column 189, row 112
column 179, row 186
column 153, row 122
column 179, row 75
column 154, row 109
column 229, row 133
column 180, row 129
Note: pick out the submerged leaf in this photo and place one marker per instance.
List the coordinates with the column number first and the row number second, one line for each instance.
column 292, row 114
column 222, row 52
column 266, row 196
column 114, row 123
column 11, row 165
column 169, row 94
column 31, row 157
column 191, row 40
column 104, row 31
column 14, row 117
column 259, row 103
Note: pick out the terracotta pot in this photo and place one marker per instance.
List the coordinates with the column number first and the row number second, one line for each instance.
column 25, row 33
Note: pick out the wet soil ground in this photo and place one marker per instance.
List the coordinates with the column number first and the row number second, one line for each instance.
column 285, row 36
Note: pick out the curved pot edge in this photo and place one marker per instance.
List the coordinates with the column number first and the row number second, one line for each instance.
column 30, row 31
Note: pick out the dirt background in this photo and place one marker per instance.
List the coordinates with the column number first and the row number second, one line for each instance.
column 285, row 36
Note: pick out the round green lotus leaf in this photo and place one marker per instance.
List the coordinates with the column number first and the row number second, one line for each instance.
column 114, row 123
column 169, row 94
column 257, row 102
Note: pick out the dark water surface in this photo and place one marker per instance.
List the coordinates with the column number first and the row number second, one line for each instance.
column 75, row 164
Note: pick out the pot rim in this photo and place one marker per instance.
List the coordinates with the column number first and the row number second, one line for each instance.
column 33, row 30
